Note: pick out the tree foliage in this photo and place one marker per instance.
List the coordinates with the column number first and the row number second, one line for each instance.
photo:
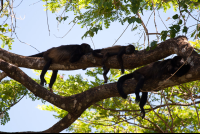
column 173, row 109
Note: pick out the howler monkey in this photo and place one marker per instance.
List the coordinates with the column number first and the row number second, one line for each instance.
column 71, row 53
column 105, row 53
column 152, row 71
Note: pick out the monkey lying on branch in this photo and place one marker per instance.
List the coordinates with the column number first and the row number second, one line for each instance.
column 152, row 71
column 105, row 53
column 71, row 53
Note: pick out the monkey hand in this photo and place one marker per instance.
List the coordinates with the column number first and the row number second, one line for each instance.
column 42, row 82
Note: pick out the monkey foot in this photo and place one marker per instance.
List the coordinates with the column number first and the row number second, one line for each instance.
column 42, row 84
column 51, row 90
column 142, row 115
column 137, row 100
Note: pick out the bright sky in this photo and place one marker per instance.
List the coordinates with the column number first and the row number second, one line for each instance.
column 32, row 28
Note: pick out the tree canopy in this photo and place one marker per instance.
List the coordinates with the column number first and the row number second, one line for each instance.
column 89, row 105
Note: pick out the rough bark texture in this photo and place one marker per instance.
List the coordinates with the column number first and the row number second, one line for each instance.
column 78, row 103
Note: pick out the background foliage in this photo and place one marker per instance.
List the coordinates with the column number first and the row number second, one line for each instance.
column 174, row 109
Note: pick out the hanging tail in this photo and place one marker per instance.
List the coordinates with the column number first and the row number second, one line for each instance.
column 37, row 55
column 120, row 84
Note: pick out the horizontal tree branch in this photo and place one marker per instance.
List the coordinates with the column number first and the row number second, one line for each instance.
column 179, row 45
column 78, row 103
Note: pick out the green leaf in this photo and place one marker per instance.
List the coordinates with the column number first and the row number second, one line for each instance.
column 193, row 33
column 185, row 29
column 6, row 25
column 175, row 16
column 180, row 22
column 164, row 35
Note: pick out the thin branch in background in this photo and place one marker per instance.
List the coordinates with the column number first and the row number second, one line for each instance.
column 166, row 124
column 35, row 3
column 140, row 37
column 181, row 15
column 12, row 105
column 161, row 19
column 155, row 20
column 25, row 42
column 193, row 100
column 18, row 4
column 121, row 35
column 192, row 16
column 86, row 26
column 67, row 32
column 197, row 28
column 154, row 125
column 47, row 18
column 1, row 5
column 145, row 40
column 145, row 28
column 169, row 111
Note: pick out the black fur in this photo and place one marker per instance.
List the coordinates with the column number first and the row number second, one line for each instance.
column 152, row 71
column 105, row 53
column 71, row 53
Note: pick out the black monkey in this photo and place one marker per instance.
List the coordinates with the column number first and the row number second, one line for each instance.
column 105, row 53
column 152, row 71
column 71, row 53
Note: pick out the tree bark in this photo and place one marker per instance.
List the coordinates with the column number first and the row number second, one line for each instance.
column 78, row 103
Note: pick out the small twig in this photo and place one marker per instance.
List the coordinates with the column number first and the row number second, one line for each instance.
column 155, row 20
column 160, row 117
column 192, row 16
column 18, row 4
column 47, row 18
column 145, row 29
column 1, row 5
column 25, row 42
column 35, row 3
column 168, row 109
column 121, row 35
column 162, row 20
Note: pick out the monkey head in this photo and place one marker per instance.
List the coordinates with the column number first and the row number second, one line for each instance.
column 130, row 49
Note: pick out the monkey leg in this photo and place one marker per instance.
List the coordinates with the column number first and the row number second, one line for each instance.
column 105, row 71
column 120, row 60
column 53, row 79
column 44, row 70
column 106, row 56
column 139, row 85
column 143, row 102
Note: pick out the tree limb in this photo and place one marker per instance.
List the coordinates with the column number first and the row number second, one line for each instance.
column 78, row 103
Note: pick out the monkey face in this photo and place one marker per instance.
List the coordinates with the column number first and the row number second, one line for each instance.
column 86, row 47
column 130, row 49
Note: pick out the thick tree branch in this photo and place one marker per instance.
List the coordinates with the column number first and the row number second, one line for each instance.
column 78, row 103
column 179, row 45
column 2, row 75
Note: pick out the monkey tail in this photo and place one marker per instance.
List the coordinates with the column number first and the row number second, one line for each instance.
column 143, row 102
column 37, row 55
column 120, row 84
